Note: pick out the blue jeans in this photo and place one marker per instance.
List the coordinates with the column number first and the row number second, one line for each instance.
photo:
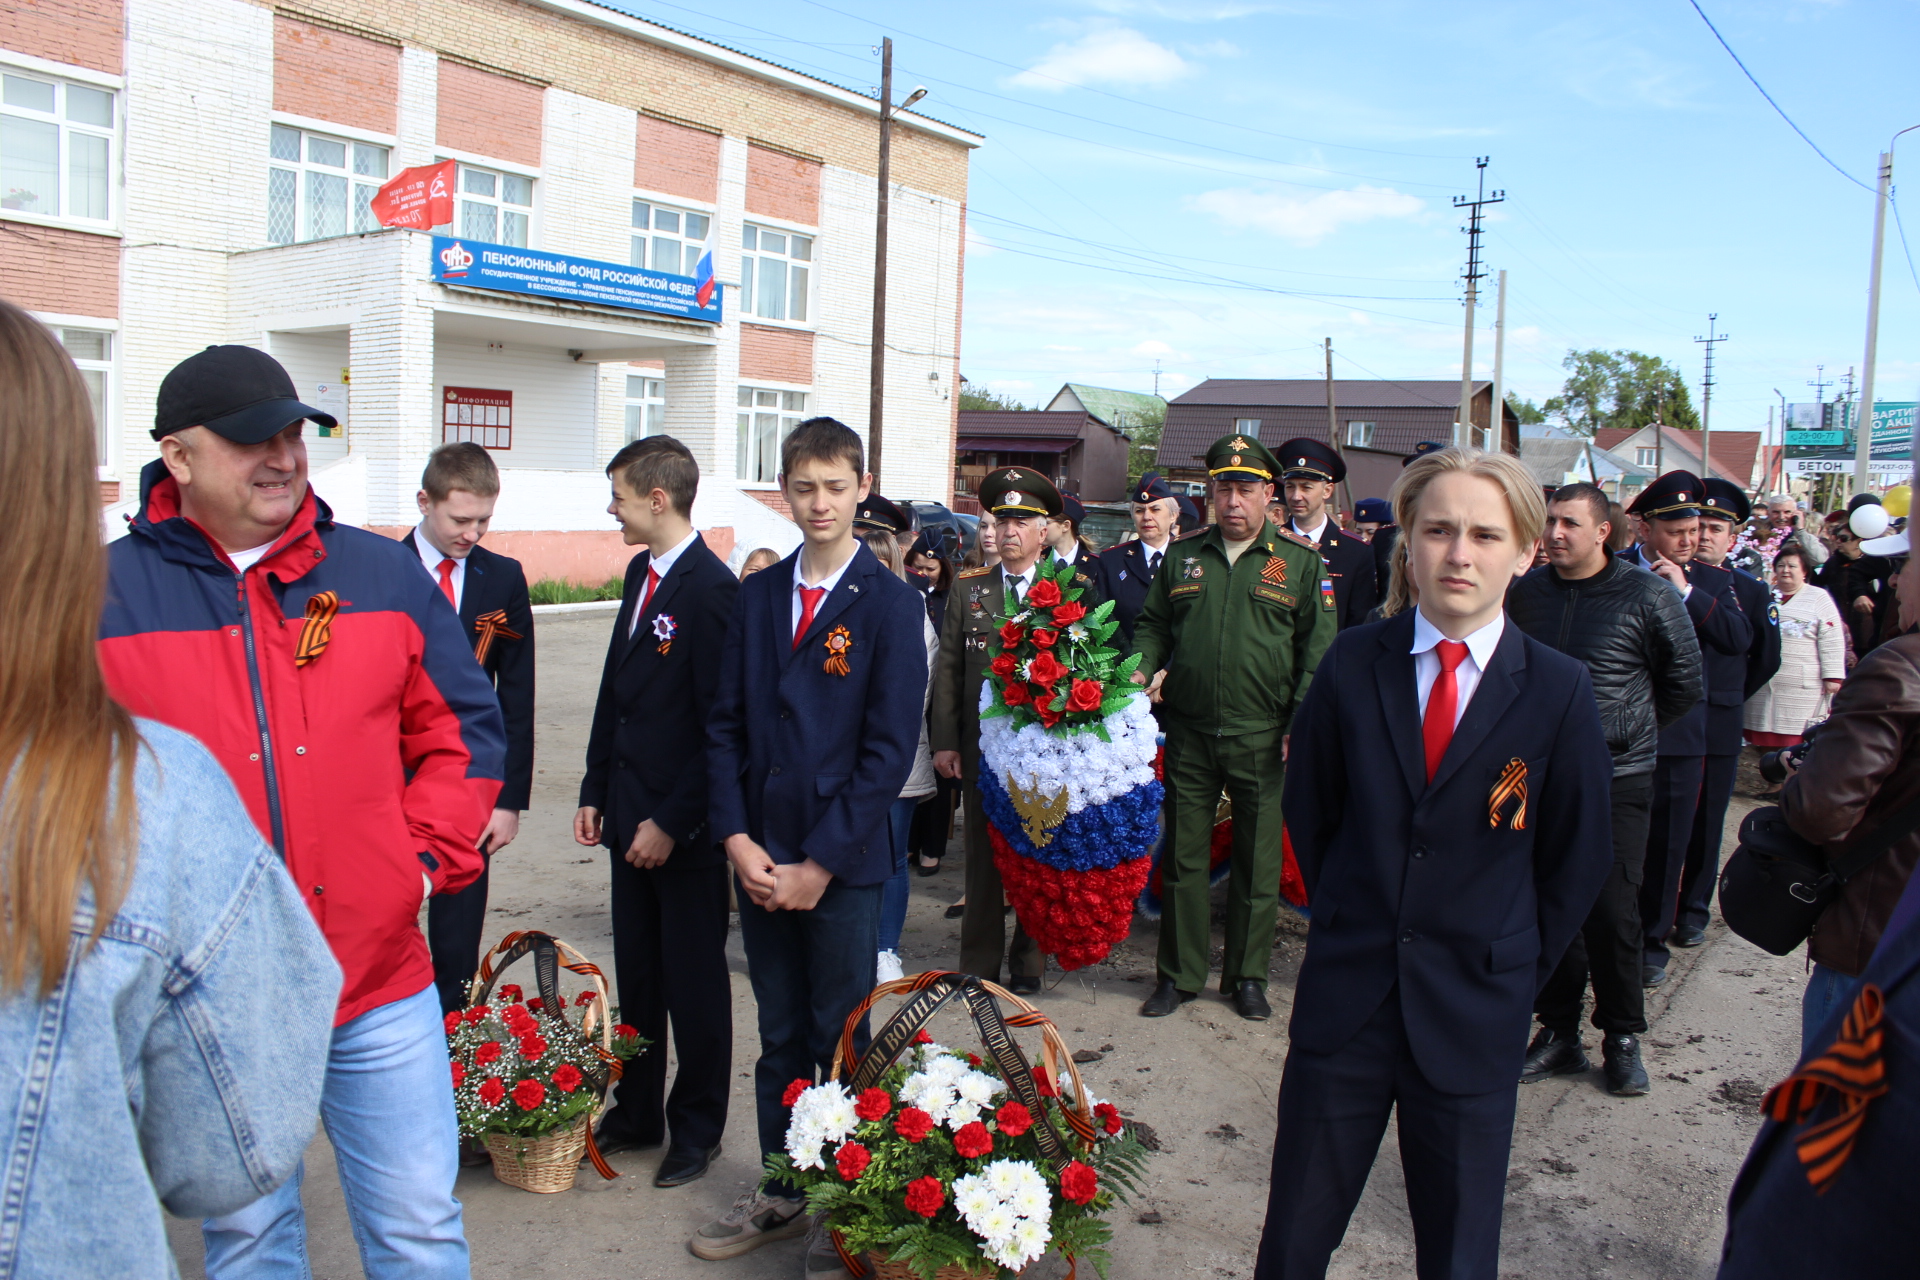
column 388, row 1110
column 1827, row 990
column 809, row 970
column 893, row 899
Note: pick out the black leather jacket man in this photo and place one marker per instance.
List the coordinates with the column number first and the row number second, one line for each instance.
column 1636, row 640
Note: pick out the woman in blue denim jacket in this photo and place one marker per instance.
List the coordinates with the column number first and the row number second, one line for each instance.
column 169, row 1049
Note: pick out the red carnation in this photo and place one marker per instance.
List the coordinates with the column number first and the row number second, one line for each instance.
column 1109, row 1117
column 1044, row 1084
column 913, row 1124
column 1016, row 695
column 452, row 1024
column 487, row 1052
column 1011, row 634
column 973, row 1059
column 1013, row 1119
column 531, row 1047
column 1003, row 666
column 921, row 1037
column 973, row 1140
column 478, row 1012
column 1044, row 637
column 794, row 1090
column 1086, row 696
column 492, row 1091
column 873, row 1104
column 1078, row 1183
column 925, row 1196
column 567, row 1078
column 585, row 996
column 537, row 1005
column 1045, row 669
column 1070, row 612
column 852, row 1160
column 459, row 1073
column 529, row 1094
column 510, row 993
column 1044, row 594
column 622, row 1031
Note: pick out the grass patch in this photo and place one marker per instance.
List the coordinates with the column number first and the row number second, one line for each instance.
column 554, row 591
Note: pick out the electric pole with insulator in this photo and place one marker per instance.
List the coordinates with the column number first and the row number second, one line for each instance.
column 1463, row 428
column 877, row 365
column 1706, row 398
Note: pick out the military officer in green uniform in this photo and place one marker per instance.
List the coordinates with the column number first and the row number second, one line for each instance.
column 1232, row 629
column 1021, row 501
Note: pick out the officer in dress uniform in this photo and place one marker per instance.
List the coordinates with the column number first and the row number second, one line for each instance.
column 1379, row 512
column 1733, row 678
column 1063, row 536
column 1231, row 631
column 1669, row 509
column 1309, row 471
column 1127, row 570
column 1021, row 500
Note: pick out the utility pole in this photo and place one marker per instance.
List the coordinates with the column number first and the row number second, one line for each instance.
column 1156, row 377
column 1863, row 448
column 1345, row 501
column 1464, row 426
column 1497, row 424
column 1706, row 398
column 877, row 360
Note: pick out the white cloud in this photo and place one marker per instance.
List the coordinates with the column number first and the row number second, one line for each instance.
column 1152, row 347
column 1305, row 221
column 1115, row 55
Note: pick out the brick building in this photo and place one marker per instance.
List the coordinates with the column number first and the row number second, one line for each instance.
column 175, row 173
column 1082, row 454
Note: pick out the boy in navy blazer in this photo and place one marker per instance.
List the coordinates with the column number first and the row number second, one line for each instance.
column 644, row 796
column 822, row 683
column 458, row 491
column 1443, row 900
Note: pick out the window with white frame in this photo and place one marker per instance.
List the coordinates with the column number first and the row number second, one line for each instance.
column 765, row 417
column 56, row 148
column 646, row 404
column 92, row 352
column 1360, row 435
column 1645, row 457
column 774, row 271
column 494, row 206
column 319, row 186
column 669, row 240
column 1247, row 426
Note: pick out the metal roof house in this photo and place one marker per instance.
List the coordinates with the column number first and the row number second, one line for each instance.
column 1122, row 409
column 1082, row 454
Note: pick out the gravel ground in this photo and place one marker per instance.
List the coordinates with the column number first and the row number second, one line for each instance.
column 1598, row 1187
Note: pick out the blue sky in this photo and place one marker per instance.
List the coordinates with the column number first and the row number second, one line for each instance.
column 1247, row 178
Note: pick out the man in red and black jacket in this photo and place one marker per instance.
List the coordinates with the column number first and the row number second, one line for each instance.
column 330, row 677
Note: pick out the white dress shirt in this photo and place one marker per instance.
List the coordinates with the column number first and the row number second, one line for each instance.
column 1316, row 533
column 1466, row 676
column 1154, row 554
column 1016, row 584
column 663, row 565
column 431, row 556
column 831, row 581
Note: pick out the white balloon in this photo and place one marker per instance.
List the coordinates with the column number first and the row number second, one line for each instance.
column 1870, row 521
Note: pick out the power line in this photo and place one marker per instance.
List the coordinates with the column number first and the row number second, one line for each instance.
column 1902, row 227
column 1769, row 97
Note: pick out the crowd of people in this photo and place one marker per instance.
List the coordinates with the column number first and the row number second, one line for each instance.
column 243, row 751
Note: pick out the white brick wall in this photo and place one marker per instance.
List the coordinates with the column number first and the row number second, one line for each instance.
column 419, row 107
column 586, row 177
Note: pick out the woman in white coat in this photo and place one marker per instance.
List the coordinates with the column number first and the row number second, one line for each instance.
column 1812, row 657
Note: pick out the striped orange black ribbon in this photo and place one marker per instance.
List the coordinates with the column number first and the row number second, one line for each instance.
column 490, row 625
column 316, row 629
column 1852, row 1072
column 838, row 641
column 1274, row 570
column 1513, row 782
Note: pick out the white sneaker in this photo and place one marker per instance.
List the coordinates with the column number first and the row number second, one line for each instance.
column 887, row 967
column 754, row 1220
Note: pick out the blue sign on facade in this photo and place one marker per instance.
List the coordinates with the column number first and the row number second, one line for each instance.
column 556, row 275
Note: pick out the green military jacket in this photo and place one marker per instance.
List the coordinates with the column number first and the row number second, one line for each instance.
column 1239, row 642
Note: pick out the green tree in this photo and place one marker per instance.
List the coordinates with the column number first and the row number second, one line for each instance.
column 1143, row 442
column 1526, row 410
column 1620, row 389
column 974, row 397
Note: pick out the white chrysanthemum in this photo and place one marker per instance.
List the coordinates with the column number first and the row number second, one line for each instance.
column 995, row 1224
column 1092, row 771
column 1030, row 1201
column 972, row 1196
column 1026, row 1242
column 821, row 1114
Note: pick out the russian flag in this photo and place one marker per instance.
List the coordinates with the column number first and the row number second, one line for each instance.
column 703, row 284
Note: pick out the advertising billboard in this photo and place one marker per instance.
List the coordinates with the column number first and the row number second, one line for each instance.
column 1822, row 438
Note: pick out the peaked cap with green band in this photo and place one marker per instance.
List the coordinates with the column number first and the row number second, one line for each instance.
column 1241, row 456
column 1019, row 491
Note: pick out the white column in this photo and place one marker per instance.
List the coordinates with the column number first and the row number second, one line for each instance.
column 721, row 370
column 419, row 118
column 395, row 405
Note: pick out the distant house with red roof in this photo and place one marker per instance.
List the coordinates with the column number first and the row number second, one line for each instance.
column 1738, row 456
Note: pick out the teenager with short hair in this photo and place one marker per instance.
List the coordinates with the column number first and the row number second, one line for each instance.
column 1444, row 889
column 644, row 797
column 458, row 491
column 812, row 736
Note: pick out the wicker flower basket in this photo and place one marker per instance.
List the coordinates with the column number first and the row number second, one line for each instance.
column 546, row 1164
column 904, row 1271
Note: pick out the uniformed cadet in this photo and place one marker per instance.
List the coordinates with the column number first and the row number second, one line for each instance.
column 1669, row 510
column 1732, row 678
column 1232, row 629
column 1021, row 501
column 1190, row 521
column 1127, row 570
column 1309, row 471
column 1063, row 536
column 1378, row 512
column 876, row 514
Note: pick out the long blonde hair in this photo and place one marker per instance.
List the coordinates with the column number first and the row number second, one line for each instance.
column 66, row 747
column 1525, row 501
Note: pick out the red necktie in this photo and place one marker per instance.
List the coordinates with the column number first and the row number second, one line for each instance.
column 1436, row 729
column 653, row 580
column 446, row 582
column 809, row 601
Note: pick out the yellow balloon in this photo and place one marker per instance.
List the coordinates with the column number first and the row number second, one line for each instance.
column 1897, row 500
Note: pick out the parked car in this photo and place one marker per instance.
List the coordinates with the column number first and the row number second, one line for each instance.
column 1107, row 523
column 969, row 531
column 937, row 519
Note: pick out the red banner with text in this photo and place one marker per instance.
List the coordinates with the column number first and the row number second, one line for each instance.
column 421, row 198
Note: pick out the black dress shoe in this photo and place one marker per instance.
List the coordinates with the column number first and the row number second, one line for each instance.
column 1626, row 1077
column 1024, row 986
column 1652, row 975
column 1250, row 1001
column 1165, row 999
column 612, row 1140
column 1553, row 1053
column 1687, row 936
column 921, row 868
column 955, row 911
column 684, row 1163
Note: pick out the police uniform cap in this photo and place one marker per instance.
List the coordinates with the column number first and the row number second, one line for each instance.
column 1373, row 511
column 1674, row 496
column 1151, row 488
column 1725, row 499
column 1189, row 514
column 1304, row 458
column 876, row 513
column 1422, row 449
column 1072, row 509
column 1241, row 456
column 1019, row 491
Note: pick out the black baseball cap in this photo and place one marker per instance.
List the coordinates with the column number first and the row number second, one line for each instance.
column 241, row 393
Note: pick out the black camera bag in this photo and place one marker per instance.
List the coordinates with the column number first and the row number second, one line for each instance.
column 1776, row 884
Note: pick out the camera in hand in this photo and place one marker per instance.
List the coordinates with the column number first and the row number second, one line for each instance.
column 1773, row 765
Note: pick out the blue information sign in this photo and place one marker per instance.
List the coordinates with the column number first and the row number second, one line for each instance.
column 556, row 275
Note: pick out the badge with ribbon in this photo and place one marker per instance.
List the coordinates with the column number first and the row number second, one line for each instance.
column 838, row 641
column 1511, row 788
column 491, row 626
column 316, row 629
column 1274, row 570
column 663, row 629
